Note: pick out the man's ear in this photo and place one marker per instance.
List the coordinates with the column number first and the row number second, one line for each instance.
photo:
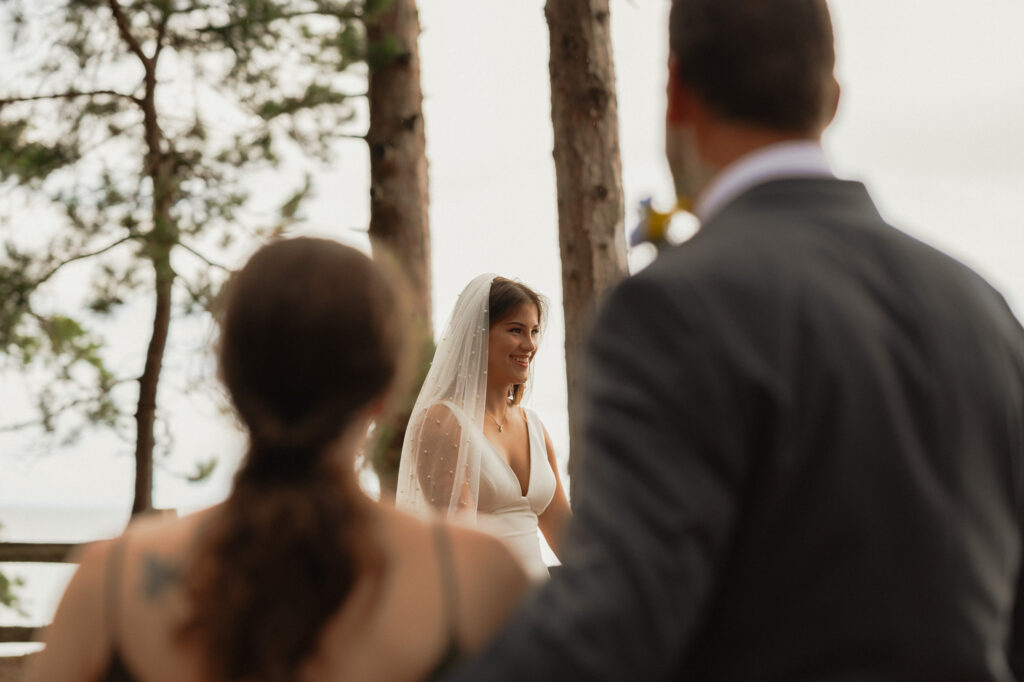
column 680, row 104
column 835, row 101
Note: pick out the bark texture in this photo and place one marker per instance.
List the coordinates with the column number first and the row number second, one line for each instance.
column 398, row 160
column 145, row 414
column 588, row 172
column 399, row 201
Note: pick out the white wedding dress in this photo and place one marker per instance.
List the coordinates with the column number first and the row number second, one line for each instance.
column 504, row 511
column 449, row 470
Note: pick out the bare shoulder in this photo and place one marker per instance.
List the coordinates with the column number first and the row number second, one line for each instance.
column 488, row 580
column 84, row 594
column 491, row 583
column 477, row 550
column 482, row 563
column 91, row 555
column 168, row 529
column 400, row 522
column 76, row 648
column 102, row 564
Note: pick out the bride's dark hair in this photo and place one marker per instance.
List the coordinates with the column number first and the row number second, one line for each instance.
column 310, row 336
column 505, row 297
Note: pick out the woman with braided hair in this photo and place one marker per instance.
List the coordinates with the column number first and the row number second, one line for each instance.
column 297, row 575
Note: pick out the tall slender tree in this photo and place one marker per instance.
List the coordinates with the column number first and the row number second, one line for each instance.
column 396, row 138
column 139, row 123
column 399, row 223
column 588, row 174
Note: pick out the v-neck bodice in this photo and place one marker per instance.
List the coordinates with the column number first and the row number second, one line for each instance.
column 529, row 459
column 502, row 507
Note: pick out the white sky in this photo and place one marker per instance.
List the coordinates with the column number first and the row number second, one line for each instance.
column 933, row 92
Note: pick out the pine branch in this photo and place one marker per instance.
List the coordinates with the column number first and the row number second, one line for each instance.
column 71, row 94
column 195, row 7
column 161, row 33
column 53, row 271
column 56, row 412
column 203, row 258
column 340, row 15
column 125, row 30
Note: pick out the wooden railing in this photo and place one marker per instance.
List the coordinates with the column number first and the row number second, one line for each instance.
column 35, row 552
column 20, row 633
column 30, row 552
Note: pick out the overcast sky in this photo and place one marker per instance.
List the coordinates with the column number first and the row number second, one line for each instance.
column 930, row 119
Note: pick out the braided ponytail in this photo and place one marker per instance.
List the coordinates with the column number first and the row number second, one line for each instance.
column 310, row 337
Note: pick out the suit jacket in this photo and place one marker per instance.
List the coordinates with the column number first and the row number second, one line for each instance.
column 802, row 461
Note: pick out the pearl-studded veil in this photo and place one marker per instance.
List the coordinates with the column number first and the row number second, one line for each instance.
column 439, row 473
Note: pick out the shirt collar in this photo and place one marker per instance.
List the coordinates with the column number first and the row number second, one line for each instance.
column 789, row 159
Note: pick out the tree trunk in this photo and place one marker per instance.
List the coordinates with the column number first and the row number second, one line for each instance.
column 399, row 223
column 588, row 172
column 145, row 415
column 398, row 159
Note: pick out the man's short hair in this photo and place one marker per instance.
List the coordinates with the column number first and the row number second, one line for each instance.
column 763, row 62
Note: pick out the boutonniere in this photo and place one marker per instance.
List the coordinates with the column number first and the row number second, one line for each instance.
column 653, row 225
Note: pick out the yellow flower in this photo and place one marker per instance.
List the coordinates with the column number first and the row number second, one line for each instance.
column 653, row 225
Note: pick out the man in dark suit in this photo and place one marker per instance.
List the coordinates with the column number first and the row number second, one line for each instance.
column 804, row 449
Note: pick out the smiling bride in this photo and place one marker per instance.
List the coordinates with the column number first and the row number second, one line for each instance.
column 472, row 452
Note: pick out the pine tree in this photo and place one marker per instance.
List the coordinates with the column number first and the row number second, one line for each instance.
column 138, row 125
column 399, row 223
column 588, row 173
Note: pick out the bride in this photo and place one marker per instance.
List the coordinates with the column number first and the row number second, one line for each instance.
column 471, row 451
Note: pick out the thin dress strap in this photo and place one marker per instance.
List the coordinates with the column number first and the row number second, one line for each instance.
column 449, row 591
column 111, row 596
column 116, row 670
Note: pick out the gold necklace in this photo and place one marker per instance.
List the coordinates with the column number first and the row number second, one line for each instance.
column 501, row 426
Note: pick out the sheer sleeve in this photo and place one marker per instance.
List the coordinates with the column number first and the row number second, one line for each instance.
column 439, row 474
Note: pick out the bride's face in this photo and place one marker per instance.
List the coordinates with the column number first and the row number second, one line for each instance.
column 512, row 343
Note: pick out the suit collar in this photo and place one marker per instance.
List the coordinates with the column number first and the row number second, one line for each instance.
column 796, row 198
column 790, row 159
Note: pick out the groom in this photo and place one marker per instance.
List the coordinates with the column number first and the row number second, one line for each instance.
column 804, row 452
